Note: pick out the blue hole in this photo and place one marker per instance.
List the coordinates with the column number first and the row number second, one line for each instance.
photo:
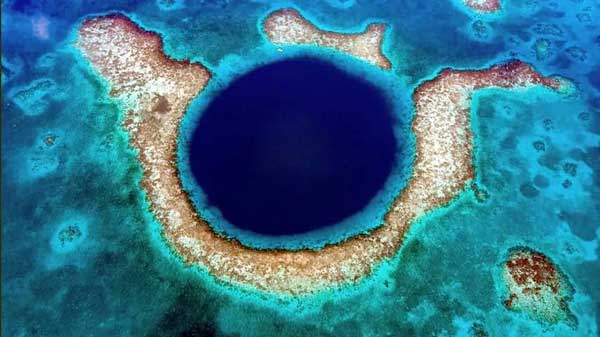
column 293, row 146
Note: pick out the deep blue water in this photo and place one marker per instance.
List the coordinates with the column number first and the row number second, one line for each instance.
column 293, row 146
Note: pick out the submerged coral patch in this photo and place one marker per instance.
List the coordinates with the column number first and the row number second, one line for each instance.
column 69, row 235
column 41, row 164
column 33, row 97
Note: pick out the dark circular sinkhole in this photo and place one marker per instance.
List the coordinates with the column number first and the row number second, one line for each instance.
column 293, row 146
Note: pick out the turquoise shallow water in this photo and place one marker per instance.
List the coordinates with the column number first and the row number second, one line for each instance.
column 115, row 275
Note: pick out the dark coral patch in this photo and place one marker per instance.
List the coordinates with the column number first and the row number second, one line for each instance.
column 528, row 190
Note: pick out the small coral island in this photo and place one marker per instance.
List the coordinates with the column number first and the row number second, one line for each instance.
column 537, row 287
column 288, row 26
column 156, row 91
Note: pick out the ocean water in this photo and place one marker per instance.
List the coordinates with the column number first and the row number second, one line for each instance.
column 68, row 172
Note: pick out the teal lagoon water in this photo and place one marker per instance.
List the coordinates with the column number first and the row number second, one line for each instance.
column 82, row 255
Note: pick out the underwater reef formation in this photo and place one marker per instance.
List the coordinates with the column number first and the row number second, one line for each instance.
column 537, row 287
column 156, row 91
column 32, row 98
column 288, row 26
column 483, row 6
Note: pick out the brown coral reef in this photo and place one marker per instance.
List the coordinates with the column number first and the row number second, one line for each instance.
column 288, row 26
column 156, row 90
column 536, row 286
